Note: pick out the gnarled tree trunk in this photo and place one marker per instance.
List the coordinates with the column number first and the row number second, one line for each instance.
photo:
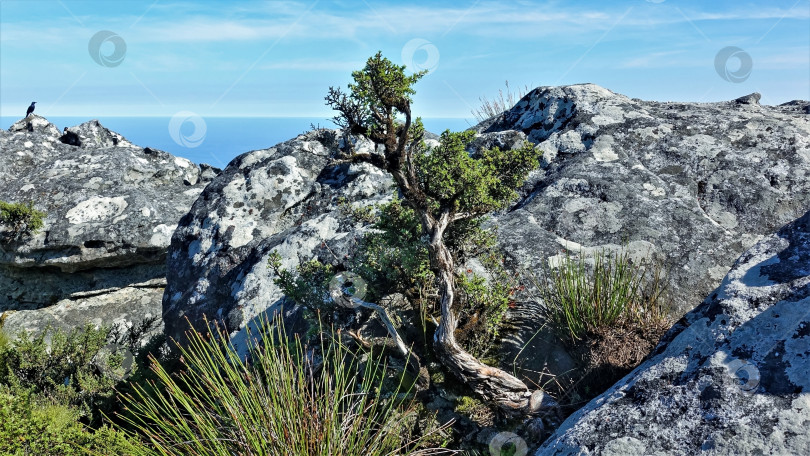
column 495, row 385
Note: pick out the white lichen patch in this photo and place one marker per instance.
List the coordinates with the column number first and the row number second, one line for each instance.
column 162, row 235
column 652, row 190
column 94, row 183
column 609, row 114
column 182, row 162
column 717, row 272
column 96, row 209
column 255, row 157
column 28, row 144
column 602, row 149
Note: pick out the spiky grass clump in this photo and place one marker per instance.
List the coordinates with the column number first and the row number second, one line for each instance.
column 500, row 104
column 287, row 399
column 583, row 299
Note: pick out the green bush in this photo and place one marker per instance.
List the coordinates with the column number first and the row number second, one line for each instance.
column 20, row 219
column 286, row 399
column 583, row 299
column 61, row 367
column 29, row 426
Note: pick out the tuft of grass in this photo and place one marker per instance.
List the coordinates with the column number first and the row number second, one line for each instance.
column 500, row 104
column 286, row 398
column 583, row 299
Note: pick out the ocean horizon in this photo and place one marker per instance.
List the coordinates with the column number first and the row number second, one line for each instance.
column 217, row 140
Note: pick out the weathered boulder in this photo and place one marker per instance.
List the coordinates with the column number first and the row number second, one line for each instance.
column 732, row 377
column 690, row 184
column 111, row 210
column 284, row 198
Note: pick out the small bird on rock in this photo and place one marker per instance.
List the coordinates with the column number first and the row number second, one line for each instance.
column 30, row 109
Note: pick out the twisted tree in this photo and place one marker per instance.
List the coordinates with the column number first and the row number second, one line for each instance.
column 443, row 185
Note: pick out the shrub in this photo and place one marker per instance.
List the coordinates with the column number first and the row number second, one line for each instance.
column 286, row 398
column 60, row 367
column 445, row 186
column 21, row 219
column 31, row 426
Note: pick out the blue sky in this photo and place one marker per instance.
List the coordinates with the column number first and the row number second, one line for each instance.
column 278, row 58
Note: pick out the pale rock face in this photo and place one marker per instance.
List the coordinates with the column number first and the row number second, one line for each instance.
column 111, row 210
column 732, row 377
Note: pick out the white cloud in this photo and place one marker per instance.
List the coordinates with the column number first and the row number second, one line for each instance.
column 185, row 22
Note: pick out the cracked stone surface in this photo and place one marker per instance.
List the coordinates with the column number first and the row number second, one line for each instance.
column 691, row 184
column 111, row 210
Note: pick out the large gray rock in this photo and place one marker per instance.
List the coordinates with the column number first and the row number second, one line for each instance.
column 285, row 199
column 732, row 377
column 111, row 210
column 690, row 184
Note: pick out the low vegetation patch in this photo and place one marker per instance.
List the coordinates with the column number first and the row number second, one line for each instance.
column 585, row 299
column 20, row 219
column 610, row 311
column 500, row 104
column 286, row 398
column 54, row 389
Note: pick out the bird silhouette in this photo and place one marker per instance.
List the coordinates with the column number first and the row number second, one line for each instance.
column 30, row 109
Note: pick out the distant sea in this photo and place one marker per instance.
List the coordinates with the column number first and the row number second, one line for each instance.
column 218, row 140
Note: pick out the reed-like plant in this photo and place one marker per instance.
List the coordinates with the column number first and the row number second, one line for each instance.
column 500, row 104
column 286, row 398
column 580, row 298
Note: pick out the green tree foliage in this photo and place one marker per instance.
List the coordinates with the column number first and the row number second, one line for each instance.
column 444, row 185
